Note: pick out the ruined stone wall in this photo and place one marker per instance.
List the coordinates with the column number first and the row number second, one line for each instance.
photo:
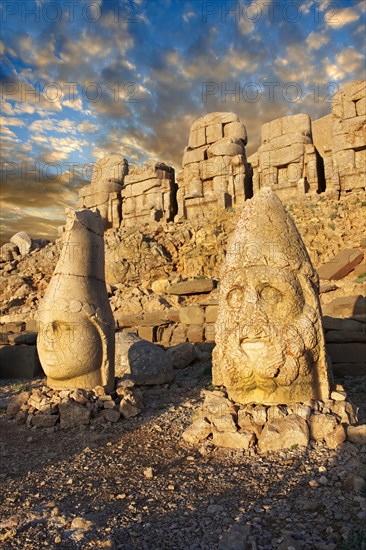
column 287, row 160
column 145, row 195
column 349, row 137
column 214, row 166
column 105, row 188
column 148, row 195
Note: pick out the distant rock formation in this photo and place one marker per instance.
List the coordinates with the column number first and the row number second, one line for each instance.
column 214, row 166
column 125, row 196
column 287, row 160
column 296, row 156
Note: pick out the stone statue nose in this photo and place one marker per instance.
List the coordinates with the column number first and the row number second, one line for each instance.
column 251, row 296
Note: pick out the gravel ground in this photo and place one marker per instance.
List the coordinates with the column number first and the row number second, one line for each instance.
column 137, row 485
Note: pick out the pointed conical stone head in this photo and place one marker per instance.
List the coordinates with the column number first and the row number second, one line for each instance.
column 269, row 339
column 76, row 326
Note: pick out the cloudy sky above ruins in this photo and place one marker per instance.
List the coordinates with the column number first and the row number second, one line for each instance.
column 81, row 79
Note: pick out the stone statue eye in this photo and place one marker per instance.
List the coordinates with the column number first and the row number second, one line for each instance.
column 271, row 295
column 235, row 297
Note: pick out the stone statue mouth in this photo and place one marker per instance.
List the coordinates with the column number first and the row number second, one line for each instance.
column 249, row 342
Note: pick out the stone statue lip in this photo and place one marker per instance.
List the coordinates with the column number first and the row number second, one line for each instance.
column 251, row 341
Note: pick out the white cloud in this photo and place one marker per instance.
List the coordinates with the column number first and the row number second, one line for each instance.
column 8, row 135
column 316, row 40
column 76, row 104
column 351, row 60
column 11, row 121
column 51, row 125
column 336, row 18
column 87, row 126
column 188, row 15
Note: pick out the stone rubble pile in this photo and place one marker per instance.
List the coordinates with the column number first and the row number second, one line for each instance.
column 270, row 428
column 64, row 409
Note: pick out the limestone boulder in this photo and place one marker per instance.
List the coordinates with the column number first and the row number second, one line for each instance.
column 342, row 264
column 8, row 252
column 197, row 432
column 194, row 286
column 230, row 440
column 73, row 415
column 23, row 242
column 284, row 433
column 226, row 146
column 357, row 434
column 141, row 361
column 182, row 355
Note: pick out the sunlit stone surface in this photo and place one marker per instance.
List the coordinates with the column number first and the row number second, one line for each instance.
column 270, row 343
column 76, row 326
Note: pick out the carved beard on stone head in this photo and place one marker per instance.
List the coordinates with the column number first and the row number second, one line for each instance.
column 269, row 339
column 269, row 329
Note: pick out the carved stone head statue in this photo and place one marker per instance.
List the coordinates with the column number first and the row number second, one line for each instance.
column 76, row 327
column 269, row 338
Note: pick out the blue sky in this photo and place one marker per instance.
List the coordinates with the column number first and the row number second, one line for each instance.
column 84, row 78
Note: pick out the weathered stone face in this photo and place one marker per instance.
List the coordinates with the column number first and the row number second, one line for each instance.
column 269, row 338
column 76, row 326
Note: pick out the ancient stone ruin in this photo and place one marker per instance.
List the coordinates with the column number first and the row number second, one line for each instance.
column 125, row 195
column 349, row 137
column 269, row 338
column 105, row 188
column 287, row 160
column 76, row 325
column 214, row 164
column 296, row 156
column 149, row 195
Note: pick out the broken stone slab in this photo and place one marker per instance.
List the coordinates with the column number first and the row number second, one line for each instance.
column 141, row 361
column 238, row 440
column 182, row 355
column 236, row 130
column 357, row 434
column 346, row 306
column 195, row 334
column 284, row 433
column 8, row 252
column 342, row 264
column 324, row 427
column 20, row 361
column 15, row 403
column 194, row 286
column 45, row 420
column 192, row 315
column 72, row 415
column 197, row 432
column 23, row 241
column 225, row 147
